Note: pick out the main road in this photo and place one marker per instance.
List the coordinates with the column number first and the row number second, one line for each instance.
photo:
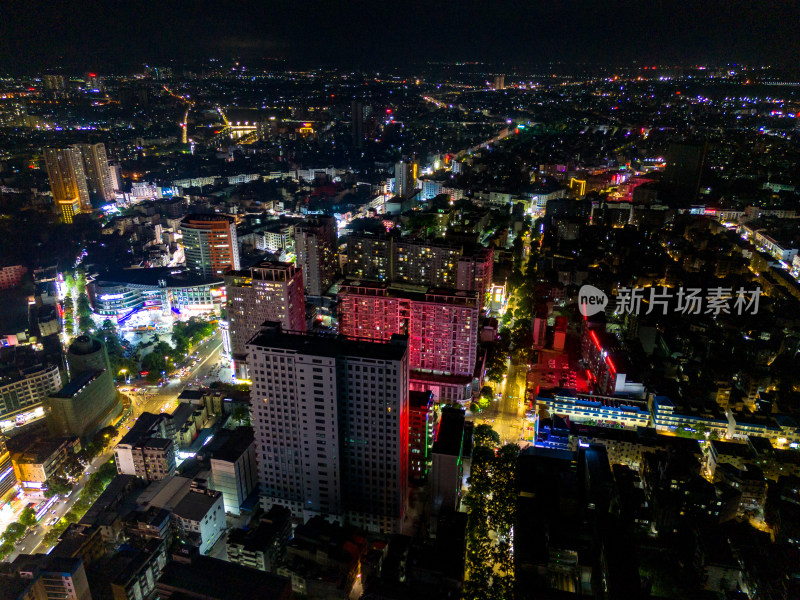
column 505, row 414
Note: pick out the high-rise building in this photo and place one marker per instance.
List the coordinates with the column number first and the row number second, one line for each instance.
column 684, row 168
column 447, row 455
column 331, row 426
column 476, row 271
column 357, row 123
column 405, row 178
column 426, row 263
column 315, row 246
column 89, row 401
column 87, row 354
column 210, row 244
column 98, row 173
column 499, row 82
column 419, row 262
column 442, row 327
column 370, row 256
column 67, row 181
column 267, row 292
column 116, row 177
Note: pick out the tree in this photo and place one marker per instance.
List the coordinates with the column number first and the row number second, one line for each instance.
column 58, row 484
column 14, row 531
column 84, row 307
column 241, row 414
column 6, row 548
column 28, row 517
column 485, row 436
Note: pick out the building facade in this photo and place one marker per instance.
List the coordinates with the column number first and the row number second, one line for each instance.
column 122, row 293
column 98, row 174
column 315, row 246
column 442, row 327
column 24, row 390
column 331, row 426
column 67, row 181
column 210, row 244
column 267, row 292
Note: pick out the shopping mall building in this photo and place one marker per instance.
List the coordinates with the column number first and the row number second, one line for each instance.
column 122, row 293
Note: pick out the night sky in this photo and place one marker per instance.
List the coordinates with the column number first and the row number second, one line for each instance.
column 119, row 34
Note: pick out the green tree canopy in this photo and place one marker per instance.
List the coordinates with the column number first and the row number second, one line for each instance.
column 485, row 436
column 28, row 517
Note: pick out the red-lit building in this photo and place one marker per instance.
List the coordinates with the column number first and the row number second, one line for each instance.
column 421, row 424
column 11, row 275
column 609, row 370
column 442, row 326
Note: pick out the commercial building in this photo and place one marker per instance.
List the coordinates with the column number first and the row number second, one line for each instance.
column 606, row 411
column 40, row 460
column 267, row 292
column 210, row 244
column 684, row 167
column 331, row 426
column 233, row 469
column 610, row 370
column 67, row 181
column 357, row 123
column 98, row 173
column 24, row 389
column 86, row 354
column 83, row 406
column 442, row 327
column 8, row 478
column 316, row 249
column 89, row 401
column 119, row 294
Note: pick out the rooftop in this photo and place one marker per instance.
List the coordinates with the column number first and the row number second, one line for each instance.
column 76, row 384
column 194, row 506
column 237, row 444
column 450, row 436
column 271, row 336
column 211, row 578
column 172, row 277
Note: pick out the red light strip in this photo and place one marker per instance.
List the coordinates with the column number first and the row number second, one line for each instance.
column 596, row 341
column 611, row 365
